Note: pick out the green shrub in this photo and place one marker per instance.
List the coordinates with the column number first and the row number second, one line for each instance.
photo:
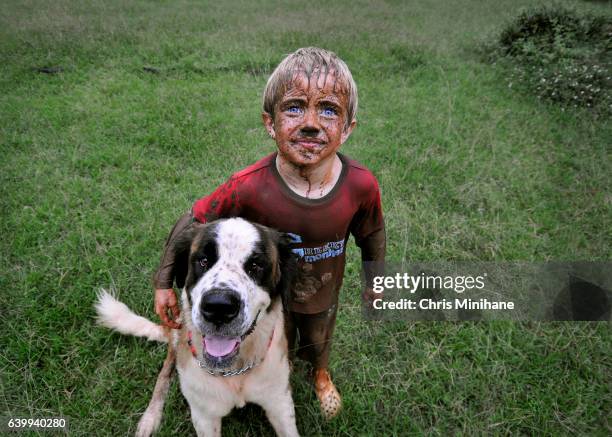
column 559, row 55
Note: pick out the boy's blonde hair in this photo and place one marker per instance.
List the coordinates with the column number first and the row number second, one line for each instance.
column 310, row 61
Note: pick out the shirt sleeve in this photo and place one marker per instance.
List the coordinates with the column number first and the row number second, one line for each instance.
column 368, row 228
column 221, row 203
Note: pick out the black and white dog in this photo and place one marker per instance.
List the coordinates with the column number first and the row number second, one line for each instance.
column 232, row 347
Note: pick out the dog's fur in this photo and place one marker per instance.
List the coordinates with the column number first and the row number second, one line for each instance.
column 235, row 276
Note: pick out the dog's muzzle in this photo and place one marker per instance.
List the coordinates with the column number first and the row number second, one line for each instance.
column 223, row 317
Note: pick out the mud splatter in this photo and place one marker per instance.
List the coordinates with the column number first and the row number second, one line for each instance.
column 326, row 277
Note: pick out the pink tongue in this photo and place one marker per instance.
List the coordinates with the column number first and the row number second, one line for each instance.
column 218, row 346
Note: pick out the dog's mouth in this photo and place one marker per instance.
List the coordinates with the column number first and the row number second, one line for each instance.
column 219, row 348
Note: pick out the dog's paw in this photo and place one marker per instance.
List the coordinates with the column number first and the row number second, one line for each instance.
column 148, row 425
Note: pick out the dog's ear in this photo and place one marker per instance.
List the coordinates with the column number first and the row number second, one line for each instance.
column 181, row 247
column 287, row 266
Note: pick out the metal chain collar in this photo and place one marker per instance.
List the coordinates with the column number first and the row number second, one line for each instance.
column 226, row 373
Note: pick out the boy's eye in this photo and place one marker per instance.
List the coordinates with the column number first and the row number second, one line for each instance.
column 293, row 109
column 329, row 112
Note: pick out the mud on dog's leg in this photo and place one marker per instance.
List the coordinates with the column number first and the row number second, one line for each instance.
column 151, row 419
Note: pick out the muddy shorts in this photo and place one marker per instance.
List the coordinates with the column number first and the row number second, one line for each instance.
column 312, row 333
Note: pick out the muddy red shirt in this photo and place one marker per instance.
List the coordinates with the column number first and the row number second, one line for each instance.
column 320, row 227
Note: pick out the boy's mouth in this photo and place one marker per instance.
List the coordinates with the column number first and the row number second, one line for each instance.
column 310, row 144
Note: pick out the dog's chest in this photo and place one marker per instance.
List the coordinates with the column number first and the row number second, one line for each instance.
column 221, row 393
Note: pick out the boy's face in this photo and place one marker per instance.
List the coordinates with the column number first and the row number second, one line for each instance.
column 309, row 120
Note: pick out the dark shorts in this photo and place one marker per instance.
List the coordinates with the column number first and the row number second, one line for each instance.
column 313, row 333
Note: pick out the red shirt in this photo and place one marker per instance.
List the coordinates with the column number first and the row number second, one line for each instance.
column 321, row 227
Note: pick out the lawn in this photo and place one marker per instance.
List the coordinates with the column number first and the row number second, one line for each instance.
column 115, row 116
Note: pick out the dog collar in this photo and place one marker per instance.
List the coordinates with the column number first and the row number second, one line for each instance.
column 224, row 373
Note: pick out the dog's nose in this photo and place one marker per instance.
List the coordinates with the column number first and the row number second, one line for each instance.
column 219, row 308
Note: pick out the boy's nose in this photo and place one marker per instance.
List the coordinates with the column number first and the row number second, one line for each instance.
column 311, row 121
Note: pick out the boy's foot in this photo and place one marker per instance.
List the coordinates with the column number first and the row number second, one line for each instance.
column 328, row 396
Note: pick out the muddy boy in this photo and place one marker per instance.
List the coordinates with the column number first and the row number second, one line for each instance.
column 308, row 189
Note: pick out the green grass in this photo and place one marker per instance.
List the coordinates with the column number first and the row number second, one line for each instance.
column 99, row 160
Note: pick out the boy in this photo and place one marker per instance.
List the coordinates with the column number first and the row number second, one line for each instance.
column 306, row 189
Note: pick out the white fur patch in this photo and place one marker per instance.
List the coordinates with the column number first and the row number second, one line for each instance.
column 236, row 240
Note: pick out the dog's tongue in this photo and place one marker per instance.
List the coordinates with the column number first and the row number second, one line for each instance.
column 218, row 346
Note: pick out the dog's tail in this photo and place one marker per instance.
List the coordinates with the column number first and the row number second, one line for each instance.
column 116, row 315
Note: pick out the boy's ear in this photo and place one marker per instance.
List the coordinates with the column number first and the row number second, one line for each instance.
column 268, row 122
column 347, row 130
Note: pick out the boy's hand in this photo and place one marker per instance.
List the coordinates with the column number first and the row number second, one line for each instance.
column 165, row 299
column 368, row 297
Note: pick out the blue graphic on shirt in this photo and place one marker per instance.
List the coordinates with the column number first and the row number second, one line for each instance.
column 295, row 238
column 299, row 252
column 314, row 254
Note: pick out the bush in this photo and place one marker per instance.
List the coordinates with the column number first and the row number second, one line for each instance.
column 560, row 55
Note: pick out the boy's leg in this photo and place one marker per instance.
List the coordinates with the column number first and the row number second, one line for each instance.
column 291, row 333
column 315, row 331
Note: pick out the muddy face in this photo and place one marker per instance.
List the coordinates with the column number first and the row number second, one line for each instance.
column 309, row 123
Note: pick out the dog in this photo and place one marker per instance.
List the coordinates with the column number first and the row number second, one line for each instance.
column 231, row 348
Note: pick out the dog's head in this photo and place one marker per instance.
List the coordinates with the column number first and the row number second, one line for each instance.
column 233, row 271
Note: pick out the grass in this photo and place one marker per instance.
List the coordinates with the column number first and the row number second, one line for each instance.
column 158, row 102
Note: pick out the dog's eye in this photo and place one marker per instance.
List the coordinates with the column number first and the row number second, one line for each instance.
column 203, row 263
column 254, row 269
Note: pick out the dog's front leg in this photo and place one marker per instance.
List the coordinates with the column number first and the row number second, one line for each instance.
column 151, row 419
column 205, row 426
column 281, row 413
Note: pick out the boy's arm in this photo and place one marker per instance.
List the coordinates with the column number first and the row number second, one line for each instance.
column 368, row 226
column 165, row 297
column 370, row 237
column 373, row 248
